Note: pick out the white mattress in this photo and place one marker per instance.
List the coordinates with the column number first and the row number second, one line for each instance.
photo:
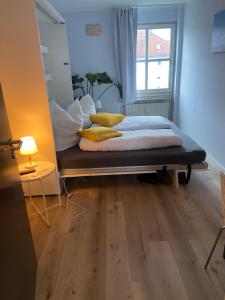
column 134, row 140
column 141, row 122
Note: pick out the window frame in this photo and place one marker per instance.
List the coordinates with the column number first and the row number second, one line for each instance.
column 152, row 94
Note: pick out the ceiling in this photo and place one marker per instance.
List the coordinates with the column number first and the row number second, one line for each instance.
column 90, row 5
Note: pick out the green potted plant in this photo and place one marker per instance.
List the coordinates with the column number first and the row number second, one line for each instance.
column 90, row 81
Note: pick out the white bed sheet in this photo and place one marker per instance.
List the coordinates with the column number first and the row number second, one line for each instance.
column 141, row 122
column 134, row 140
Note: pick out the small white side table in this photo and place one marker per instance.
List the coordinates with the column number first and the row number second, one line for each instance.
column 42, row 170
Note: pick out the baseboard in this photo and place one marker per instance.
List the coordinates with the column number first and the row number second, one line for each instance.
column 215, row 164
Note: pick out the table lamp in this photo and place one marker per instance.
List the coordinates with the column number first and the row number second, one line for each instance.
column 28, row 147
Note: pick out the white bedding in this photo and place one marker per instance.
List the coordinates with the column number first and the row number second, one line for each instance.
column 141, row 122
column 134, row 140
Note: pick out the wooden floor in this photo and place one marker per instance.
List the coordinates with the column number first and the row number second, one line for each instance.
column 132, row 240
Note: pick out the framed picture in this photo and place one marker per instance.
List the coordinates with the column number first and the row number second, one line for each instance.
column 93, row 29
column 218, row 36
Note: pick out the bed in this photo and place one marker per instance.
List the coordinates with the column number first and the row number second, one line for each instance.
column 74, row 162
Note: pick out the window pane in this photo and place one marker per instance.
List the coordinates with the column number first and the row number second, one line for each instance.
column 159, row 43
column 158, row 75
column 141, row 44
column 140, row 76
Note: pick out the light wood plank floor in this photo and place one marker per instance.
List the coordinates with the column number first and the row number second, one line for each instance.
column 132, row 240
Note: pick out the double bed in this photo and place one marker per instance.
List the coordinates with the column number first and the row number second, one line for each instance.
column 74, row 162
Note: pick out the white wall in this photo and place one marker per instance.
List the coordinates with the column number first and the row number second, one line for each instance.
column 93, row 53
column 202, row 92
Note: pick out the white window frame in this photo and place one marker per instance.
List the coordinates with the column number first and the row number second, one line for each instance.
column 154, row 94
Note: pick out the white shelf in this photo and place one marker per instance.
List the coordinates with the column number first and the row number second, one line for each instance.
column 48, row 77
column 44, row 49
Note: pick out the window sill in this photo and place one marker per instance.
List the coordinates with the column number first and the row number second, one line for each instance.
column 153, row 98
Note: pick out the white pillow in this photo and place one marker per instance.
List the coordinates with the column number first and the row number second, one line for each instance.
column 64, row 127
column 88, row 107
column 76, row 112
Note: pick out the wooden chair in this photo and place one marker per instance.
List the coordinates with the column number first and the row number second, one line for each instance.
column 222, row 176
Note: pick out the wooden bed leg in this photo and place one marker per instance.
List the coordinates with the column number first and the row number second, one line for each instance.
column 175, row 178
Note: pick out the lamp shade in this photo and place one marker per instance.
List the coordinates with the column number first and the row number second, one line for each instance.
column 28, row 146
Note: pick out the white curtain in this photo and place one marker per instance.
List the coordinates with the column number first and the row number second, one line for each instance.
column 125, row 38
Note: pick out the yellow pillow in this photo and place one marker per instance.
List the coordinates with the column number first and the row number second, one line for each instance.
column 106, row 119
column 97, row 134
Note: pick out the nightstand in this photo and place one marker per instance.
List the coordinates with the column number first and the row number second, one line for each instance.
column 42, row 171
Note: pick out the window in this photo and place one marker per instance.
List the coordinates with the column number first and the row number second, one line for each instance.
column 155, row 60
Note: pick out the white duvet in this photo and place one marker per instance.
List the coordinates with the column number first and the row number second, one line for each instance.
column 134, row 140
column 141, row 122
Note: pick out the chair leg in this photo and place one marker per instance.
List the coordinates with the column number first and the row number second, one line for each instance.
column 214, row 246
column 224, row 252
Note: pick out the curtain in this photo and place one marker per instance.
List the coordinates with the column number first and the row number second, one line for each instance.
column 125, row 37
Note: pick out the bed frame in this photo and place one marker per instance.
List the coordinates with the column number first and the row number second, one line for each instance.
column 174, row 169
column 183, row 160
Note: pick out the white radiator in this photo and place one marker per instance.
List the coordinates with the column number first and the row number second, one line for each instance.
column 148, row 109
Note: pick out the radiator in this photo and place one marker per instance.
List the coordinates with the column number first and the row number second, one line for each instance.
column 148, row 109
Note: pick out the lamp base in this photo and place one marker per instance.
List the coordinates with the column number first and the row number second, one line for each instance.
column 30, row 165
